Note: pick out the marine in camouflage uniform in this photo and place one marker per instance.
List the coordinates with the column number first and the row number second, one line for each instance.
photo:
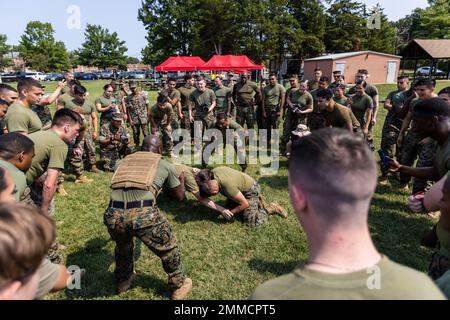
column 273, row 101
column 145, row 221
column 137, row 108
column 114, row 142
column 244, row 97
column 316, row 119
column 185, row 92
column 392, row 126
column 162, row 118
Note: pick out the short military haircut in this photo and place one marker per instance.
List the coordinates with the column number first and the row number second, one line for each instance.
column 151, row 142
column 337, row 72
column 188, row 77
column 338, row 173
column 324, row 79
column 74, row 82
column 361, row 83
column 107, row 86
column 432, row 107
column 445, row 91
column 317, row 69
column 363, row 71
column 162, row 99
column 222, row 116
column 11, row 144
column 4, row 88
column 28, row 84
column 342, row 87
column 325, row 93
column 272, row 74
column 26, row 236
column 79, row 90
column 203, row 179
column 3, row 102
column 427, row 82
column 64, row 116
column 172, row 80
column 403, row 77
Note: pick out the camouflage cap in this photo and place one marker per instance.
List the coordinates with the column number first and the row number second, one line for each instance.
column 133, row 85
column 117, row 117
column 301, row 131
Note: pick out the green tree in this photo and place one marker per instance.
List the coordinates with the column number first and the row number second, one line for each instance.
column 102, row 49
column 382, row 39
column 4, row 50
column 346, row 26
column 435, row 20
column 168, row 24
column 133, row 60
column 40, row 50
column 408, row 28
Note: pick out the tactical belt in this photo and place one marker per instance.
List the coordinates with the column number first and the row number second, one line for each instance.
column 130, row 205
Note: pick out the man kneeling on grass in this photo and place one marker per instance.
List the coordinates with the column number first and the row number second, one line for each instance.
column 332, row 178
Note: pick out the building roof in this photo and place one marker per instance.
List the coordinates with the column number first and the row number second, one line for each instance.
column 429, row 49
column 339, row 56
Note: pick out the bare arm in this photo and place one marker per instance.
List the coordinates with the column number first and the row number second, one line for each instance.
column 376, row 103
column 178, row 193
column 49, row 188
column 242, row 203
column 54, row 96
column 95, row 124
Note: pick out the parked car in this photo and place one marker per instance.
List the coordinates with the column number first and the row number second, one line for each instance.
column 106, row 74
column 36, row 75
column 13, row 76
column 85, row 76
column 123, row 74
column 137, row 75
column 54, row 76
column 425, row 71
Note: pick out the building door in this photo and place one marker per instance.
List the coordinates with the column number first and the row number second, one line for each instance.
column 391, row 71
column 340, row 66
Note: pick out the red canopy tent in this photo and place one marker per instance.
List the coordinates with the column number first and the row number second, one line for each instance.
column 180, row 63
column 230, row 62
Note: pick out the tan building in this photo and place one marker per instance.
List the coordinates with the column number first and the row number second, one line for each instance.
column 383, row 68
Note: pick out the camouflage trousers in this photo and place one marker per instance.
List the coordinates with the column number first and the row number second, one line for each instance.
column 245, row 115
column 33, row 197
column 259, row 118
column 316, row 121
column 87, row 147
column 438, row 266
column 272, row 121
column 152, row 228
column 112, row 156
column 166, row 135
column 202, row 122
column 389, row 142
column 137, row 128
column 291, row 121
column 413, row 149
column 255, row 215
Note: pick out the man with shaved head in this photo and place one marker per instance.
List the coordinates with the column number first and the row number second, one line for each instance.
column 8, row 94
column 332, row 178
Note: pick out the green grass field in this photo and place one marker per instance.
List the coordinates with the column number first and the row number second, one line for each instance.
column 225, row 260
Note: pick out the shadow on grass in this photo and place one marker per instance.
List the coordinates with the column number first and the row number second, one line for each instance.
column 275, row 268
column 99, row 282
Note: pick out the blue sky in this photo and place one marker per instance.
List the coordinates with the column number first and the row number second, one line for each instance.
column 118, row 16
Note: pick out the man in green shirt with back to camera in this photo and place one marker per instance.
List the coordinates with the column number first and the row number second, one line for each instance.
column 332, row 178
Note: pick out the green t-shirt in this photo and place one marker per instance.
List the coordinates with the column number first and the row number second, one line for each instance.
column 166, row 175
column 87, row 106
column 370, row 90
column 303, row 100
column 159, row 114
column 62, row 100
column 316, row 108
column 342, row 101
column 397, row 98
column 22, row 119
column 442, row 158
column 313, row 85
column 339, row 117
column 189, row 178
column 273, row 94
column 222, row 96
column 18, row 177
column 231, row 181
column 359, row 106
column 244, row 94
column 106, row 102
column 175, row 94
column 50, row 153
column 185, row 94
column 200, row 99
column 65, row 90
column 396, row 282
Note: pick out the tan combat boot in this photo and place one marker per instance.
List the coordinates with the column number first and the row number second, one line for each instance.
column 83, row 179
column 183, row 291
column 61, row 191
column 275, row 208
column 94, row 169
